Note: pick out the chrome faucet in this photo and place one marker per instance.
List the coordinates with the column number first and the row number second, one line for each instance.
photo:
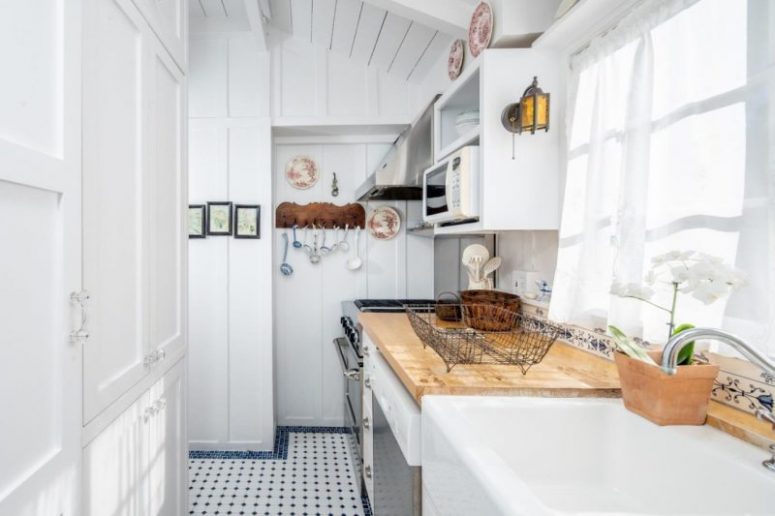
column 677, row 342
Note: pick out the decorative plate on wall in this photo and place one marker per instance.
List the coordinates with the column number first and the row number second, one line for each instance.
column 383, row 223
column 480, row 28
column 455, row 62
column 302, row 172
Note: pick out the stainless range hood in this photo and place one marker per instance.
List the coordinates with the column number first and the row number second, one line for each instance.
column 399, row 174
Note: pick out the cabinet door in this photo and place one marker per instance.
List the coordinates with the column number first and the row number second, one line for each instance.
column 40, row 257
column 167, row 240
column 168, row 468
column 169, row 20
column 115, row 53
column 115, row 463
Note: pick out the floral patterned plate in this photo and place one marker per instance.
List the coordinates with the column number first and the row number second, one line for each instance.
column 302, row 172
column 383, row 223
column 480, row 28
column 455, row 60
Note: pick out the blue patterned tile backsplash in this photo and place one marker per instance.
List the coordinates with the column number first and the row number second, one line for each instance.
column 739, row 384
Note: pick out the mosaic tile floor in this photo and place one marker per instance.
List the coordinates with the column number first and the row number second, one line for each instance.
column 308, row 473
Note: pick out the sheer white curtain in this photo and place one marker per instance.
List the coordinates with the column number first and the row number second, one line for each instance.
column 671, row 145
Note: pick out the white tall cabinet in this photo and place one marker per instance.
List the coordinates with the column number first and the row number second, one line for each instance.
column 134, row 257
column 93, row 261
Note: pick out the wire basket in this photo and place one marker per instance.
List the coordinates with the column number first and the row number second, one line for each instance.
column 525, row 343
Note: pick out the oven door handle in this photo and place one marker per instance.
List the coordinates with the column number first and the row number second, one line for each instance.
column 350, row 374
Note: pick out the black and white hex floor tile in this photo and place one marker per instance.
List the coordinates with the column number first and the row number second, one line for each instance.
column 309, row 472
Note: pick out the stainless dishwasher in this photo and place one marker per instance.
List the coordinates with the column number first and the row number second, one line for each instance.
column 397, row 485
column 391, row 439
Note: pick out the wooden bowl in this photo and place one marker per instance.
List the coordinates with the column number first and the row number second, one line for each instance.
column 484, row 309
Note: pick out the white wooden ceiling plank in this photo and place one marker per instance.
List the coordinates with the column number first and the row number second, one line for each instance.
column 448, row 16
column 438, row 46
column 236, row 8
column 416, row 41
column 301, row 19
column 369, row 27
column 345, row 25
column 213, row 8
column 195, row 9
column 281, row 14
column 323, row 21
column 390, row 39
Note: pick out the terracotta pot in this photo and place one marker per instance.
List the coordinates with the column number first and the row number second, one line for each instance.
column 680, row 399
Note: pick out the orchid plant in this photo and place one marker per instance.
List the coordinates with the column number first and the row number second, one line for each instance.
column 705, row 277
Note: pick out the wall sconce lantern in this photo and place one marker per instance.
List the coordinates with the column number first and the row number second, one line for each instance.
column 531, row 113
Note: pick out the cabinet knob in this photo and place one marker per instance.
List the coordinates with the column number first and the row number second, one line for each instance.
column 367, row 472
column 366, row 423
column 367, row 383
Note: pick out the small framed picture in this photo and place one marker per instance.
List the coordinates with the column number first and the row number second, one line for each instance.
column 248, row 221
column 197, row 221
column 219, row 218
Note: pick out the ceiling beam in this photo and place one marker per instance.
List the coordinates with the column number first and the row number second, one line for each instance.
column 450, row 16
column 256, row 21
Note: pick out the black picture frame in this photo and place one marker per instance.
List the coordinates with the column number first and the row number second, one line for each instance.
column 203, row 217
column 256, row 222
column 216, row 217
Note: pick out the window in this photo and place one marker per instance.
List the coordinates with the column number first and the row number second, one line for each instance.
column 671, row 145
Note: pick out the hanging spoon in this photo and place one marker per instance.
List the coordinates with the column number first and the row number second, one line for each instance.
column 285, row 267
column 296, row 243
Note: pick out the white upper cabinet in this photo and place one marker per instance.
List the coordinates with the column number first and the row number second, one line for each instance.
column 166, row 205
column 515, row 194
column 133, row 191
column 115, row 215
column 169, row 21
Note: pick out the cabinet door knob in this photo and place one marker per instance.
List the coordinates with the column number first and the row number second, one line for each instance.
column 367, row 472
column 366, row 423
column 367, row 383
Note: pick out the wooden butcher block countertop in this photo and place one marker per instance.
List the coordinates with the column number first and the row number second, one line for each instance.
column 565, row 371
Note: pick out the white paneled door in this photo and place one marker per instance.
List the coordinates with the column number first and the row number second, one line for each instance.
column 40, row 257
column 116, row 67
column 133, row 190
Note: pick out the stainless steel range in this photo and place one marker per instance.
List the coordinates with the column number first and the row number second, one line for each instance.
column 350, row 354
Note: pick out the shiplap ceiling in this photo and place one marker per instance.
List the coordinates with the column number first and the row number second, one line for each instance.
column 380, row 33
column 362, row 31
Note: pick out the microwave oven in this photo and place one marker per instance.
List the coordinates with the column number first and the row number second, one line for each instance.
column 450, row 188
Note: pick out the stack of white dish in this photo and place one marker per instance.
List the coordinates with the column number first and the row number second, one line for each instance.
column 466, row 121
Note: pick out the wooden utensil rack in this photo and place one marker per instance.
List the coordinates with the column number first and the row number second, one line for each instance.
column 320, row 214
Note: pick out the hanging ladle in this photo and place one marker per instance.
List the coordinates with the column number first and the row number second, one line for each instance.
column 324, row 249
column 355, row 262
column 285, row 267
column 296, row 242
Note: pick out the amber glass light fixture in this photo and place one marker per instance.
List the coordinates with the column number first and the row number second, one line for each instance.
column 531, row 113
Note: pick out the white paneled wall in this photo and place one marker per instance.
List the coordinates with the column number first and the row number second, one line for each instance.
column 311, row 84
column 230, row 313
column 308, row 303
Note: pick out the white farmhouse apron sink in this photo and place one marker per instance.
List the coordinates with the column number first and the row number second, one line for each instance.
column 550, row 456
